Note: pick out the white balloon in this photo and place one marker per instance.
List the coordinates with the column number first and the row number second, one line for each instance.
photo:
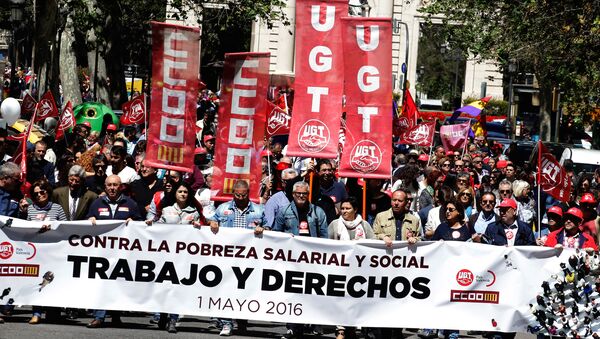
column 11, row 110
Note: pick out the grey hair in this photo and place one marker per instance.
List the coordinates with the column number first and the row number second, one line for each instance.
column 77, row 171
column 289, row 172
column 300, row 184
column 241, row 184
column 505, row 182
column 9, row 169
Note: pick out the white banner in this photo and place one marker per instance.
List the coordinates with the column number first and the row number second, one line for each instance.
column 274, row 277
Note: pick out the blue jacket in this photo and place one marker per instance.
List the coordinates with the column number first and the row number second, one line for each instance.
column 496, row 235
column 8, row 207
column 287, row 221
column 225, row 215
column 126, row 208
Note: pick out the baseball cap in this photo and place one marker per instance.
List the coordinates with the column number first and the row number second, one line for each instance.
column 508, row 203
column 423, row 157
column 208, row 137
column 86, row 124
column 265, row 153
column 587, row 198
column 555, row 210
column 449, row 153
column 501, row 164
column 111, row 127
column 200, row 150
column 576, row 212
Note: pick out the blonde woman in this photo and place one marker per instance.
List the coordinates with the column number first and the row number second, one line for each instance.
column 526, row 207
column 466, row 197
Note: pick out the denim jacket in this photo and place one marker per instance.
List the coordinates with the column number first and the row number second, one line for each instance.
column 287, row 220
column 225, row 215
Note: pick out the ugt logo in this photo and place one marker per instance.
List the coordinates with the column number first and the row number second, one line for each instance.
column 366, row 156
column 314, row 136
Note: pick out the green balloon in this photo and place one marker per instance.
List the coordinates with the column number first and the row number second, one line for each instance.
column 96, row 114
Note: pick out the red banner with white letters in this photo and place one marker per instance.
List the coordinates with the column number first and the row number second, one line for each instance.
column 319, row 78
column 368, row 88
column 554, row 179
column 172, row 125
column 241, row 131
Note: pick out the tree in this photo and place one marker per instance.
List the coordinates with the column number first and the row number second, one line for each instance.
column 558, row 41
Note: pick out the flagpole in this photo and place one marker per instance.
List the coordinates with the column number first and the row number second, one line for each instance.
column 539, row 190
column 364, row 199
column 432, row 142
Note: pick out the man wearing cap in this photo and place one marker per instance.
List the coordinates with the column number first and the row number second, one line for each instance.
column 509, row 231
column 111, row 130
column 209, row 145
column 570, row 235
column 554, row 221
column 588, row 206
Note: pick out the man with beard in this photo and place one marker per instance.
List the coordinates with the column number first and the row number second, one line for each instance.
column 38, row 167
column 281, row 199
column 509, row 231
column 328, row 184
column 74, row 198
column 119, row 167
column 95, row 183
column 397, row 223
column 479, row 221
column 144, row 188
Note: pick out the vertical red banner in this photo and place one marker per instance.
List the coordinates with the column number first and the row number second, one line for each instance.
column 242, row 118
column 368, row 88
column 319, row 78
column 175, row 65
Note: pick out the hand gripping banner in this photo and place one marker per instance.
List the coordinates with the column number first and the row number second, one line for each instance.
column 175, row 64
column 368, row 88
column 319, row 79
column 242, row 117
column 281, row 278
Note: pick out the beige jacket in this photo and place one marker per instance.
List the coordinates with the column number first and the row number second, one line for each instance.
column 385, row 225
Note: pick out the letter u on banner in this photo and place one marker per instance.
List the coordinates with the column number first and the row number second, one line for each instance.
column 242, row 119
column 368, row 88
column 172, row 123
column 318, row 87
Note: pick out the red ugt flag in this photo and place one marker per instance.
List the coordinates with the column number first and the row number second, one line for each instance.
column 28, row 104
column 421, row 135
column 67, row 120
column 278, row 120
column 134, row 111
column 46, row 108
column 552, row 178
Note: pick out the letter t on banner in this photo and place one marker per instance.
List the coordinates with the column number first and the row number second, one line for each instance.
column 172, row 123
column 319, row 77
column 242, row 119
column 368, row 88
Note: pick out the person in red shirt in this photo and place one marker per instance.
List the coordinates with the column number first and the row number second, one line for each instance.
column 570, row 235
column 588, row 206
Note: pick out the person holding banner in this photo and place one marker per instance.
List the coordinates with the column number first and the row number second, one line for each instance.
column 397, row 224
column 281, row 199
column 237, row 213
column 10, row 181
column 570, row 236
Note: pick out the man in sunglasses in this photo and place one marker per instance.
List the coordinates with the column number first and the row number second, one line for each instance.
column 281, row 199
column 479, row 221
column 504, row 191
column 509, row 231
column 570, row 236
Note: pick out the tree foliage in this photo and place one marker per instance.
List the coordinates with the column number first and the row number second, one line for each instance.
column 558, row 41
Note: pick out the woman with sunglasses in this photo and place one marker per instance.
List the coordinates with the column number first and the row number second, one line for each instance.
column 43, row 209
column 466, row 198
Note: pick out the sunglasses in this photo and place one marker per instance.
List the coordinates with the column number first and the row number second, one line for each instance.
column 446, row 165
column 505, row 191
column 450, row 209
column 301, row 194
column 42, row 192
column 488, row 202
column 467, row 194
column 240, row 195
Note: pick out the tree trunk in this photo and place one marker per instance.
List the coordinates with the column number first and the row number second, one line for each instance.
column 545, row 116
column 97, row 64
column 68, row 65
column 114, row 60
column 45, row 35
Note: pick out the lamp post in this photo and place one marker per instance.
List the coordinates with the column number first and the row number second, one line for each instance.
column 16, row 16
column 512, row 68
column 396, row 30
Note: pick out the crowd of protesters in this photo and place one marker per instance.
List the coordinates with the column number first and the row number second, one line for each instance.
column 474, row 194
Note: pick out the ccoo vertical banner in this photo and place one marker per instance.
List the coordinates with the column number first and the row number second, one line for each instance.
column 242, row 118
column 368, row 88
column 175, row 65
column 319, row 79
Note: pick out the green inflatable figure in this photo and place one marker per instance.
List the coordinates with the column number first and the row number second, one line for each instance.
column 97, row 114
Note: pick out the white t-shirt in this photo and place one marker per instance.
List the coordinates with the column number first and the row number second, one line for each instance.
column 127, row 174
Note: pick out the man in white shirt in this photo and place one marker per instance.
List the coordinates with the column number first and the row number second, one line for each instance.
column 119, row 167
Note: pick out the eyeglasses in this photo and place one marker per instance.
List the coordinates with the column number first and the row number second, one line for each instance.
column 488, row 202
column 477, row 162
column 462, row 180
column 100, row 166
column 505, row 191
column 301, row 194
column 41, row 192
column 450, row 209
column 240, row 195
column 446, row 165
column 467, row 194
column 409, row 199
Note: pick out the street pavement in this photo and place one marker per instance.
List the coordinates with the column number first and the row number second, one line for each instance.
column 137, row 325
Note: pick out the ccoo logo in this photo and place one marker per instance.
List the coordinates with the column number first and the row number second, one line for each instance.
column 314, row 136
column 6, row 250
column 464, row 277
column 365, row 157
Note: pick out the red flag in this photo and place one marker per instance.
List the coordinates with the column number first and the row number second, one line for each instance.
column 175, row 63
column 242, row 115
column 20, row 158
column 421, row 135
column 554, row 179
column 67, row 120
column 134, row 111
column 278, row 120
column 46, row 108
column 28, row 104
column 454, row 137
column 368, row 89
column 319, row 73
column 409, row 114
